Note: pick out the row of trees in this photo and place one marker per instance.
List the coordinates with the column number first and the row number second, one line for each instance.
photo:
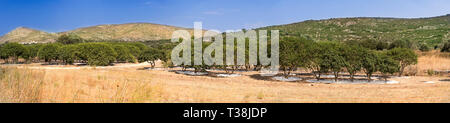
column 326, row 57
column 94, row 54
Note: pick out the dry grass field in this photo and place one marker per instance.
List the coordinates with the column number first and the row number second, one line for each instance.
column 130, row 84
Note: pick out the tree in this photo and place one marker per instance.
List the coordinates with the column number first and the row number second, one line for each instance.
column 123, row 54
column 26, row 54
column 316, row 62
column 98, row 54
column 332, row 59
column 134, row 50
column 369, row 63
column 68, row 53
column 324, row 57
column 405, row 57
column 353, row 56
column 151, row 55
column 386, row 65
column 12, row 50
column 69, row 39
column 293, row 53
column 49, row 52
column 33, row 51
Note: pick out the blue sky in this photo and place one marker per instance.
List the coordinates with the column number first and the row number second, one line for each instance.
column 63, row 15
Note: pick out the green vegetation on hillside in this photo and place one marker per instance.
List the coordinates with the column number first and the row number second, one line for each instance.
column 428, row 31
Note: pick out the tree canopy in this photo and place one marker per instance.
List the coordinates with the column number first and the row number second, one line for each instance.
column 69, row 39
column 405, row 57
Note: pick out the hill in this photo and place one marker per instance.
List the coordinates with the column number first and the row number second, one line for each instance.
column 431, row 31
column 127, row 32
column 27, row 35
column 114, row 32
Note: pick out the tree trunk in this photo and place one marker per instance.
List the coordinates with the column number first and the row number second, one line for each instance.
column 336, row 76
column 352, row 77
column 317, row 75
column 401, row 71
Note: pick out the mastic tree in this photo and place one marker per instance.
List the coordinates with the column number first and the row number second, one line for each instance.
column 12, row 50
column 98, row 54
column 369, row 63
column 316, row 62
column 333, row 59
column 33, row 51
column 405, row 57
column 353, row 56
column 134, row 50
column 69, row 39
column 151, row 55
column 49, row 52
column 68, row 53
column 123, row 54
column 386, row 65
column 290, row 58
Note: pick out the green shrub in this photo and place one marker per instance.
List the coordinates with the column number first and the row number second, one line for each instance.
column 401, row 44
column 446, row 47
column 424, row 48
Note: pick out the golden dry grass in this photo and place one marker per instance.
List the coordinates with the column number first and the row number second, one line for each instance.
column 433, row 60
column 130, row 85
column 75, row 86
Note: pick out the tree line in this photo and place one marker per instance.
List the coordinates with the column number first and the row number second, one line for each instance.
column 295, row 52
column 335, row 57
column 71, row 49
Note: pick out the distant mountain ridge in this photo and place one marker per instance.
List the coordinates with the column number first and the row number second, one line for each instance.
column 108, row 32
column 431, row 31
